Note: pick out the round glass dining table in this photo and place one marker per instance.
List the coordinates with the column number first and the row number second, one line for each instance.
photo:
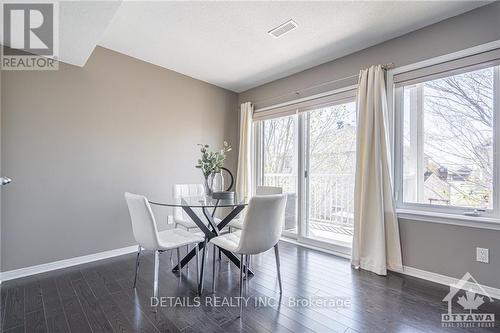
column 211, row 229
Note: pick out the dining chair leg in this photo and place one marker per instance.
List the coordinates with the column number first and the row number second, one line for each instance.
column 137, row 264
column 202, row 275
column 247, row 265
column 187, row 264
column 171, row 251
column 242, row 260
column 213, row 268
column 156, row 270
column 179, row 261
column 277, row 255
column 197, row 267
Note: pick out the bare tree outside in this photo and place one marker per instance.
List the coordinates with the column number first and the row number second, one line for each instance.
column 457, row 139
column 279, row 153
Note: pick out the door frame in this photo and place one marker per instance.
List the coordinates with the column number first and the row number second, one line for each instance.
column 336, row 97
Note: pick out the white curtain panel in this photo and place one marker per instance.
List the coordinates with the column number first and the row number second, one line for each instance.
column 376, row 244
column 244, row 173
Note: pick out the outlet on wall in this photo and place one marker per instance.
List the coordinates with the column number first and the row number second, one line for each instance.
column 170, row 219
column 482, row 255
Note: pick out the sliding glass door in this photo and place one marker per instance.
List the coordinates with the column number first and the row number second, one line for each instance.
column 280, row 161
column 311, row 154
column 330, row 165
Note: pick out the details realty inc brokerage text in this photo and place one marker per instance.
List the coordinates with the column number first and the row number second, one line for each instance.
column 223, row 301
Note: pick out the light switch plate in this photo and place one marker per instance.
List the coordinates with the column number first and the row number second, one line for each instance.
column 482, row 255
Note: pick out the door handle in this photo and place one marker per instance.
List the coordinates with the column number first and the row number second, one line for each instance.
column 5, row 180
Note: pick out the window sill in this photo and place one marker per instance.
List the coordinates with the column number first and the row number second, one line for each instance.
column 482, row 222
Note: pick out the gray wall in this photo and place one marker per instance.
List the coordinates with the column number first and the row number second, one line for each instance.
column 442, row 249
column 76, row 139
column 450, row 250
column 470, row 29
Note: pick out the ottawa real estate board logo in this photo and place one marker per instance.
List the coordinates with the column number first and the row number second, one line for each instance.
column 464, row 302
column 30, row 40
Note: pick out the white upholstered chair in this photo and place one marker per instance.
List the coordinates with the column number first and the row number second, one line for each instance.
column 261, row 231
column 261, row 190
column 149, row 238
column 186, row 190
column 181, row 218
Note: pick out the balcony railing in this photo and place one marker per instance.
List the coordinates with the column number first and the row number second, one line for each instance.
column 331, row 197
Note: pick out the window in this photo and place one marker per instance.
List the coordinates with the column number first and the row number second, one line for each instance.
column 447, row 139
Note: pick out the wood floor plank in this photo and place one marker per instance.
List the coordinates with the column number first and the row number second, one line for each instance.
column 75, row 316
column 95, row 316
column 35, row 322
column 208, row 319
column 64, row 287
column 111, row 310
column 18, row 329
column 165, row 320
column 131, row 309
column 118, row 320
column 3, row 300
column 33, row 297
column 50, row 294
column 56, row 321
column 290, row 316
column 14, row 308
column 108, row 279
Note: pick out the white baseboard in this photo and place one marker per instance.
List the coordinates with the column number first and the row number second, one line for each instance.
column 407, row 270
column 26, row 271
column 32, row 270
column 445, row 280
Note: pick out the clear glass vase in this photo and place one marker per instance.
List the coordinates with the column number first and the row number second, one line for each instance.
column 209, row 180
column 217, row 182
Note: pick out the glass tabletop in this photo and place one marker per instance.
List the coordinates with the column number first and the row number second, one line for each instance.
column 199, row 201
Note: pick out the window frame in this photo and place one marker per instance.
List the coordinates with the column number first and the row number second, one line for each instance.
column 439, row 213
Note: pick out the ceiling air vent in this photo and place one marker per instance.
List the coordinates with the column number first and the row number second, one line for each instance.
column 283, row 29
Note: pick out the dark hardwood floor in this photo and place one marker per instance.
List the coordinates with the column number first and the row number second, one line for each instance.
column 98, row 297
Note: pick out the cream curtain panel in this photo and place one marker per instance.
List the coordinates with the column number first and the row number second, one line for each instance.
column 376, row 244
column 244, row 173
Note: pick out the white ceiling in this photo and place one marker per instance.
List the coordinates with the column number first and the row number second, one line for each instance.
column 226, row 43
column 82, row 25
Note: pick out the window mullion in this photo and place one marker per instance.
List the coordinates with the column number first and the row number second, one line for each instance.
column 398, row 145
